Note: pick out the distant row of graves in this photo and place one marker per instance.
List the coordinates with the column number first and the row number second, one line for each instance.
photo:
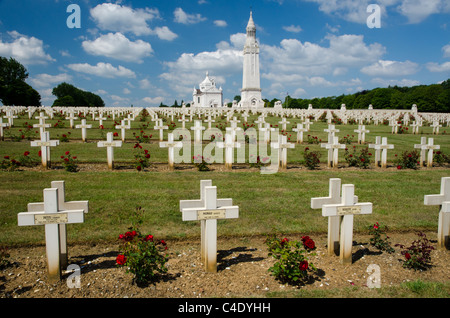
column 270, row 138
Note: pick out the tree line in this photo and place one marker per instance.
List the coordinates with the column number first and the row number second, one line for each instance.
column 14, row 91
column 428, row 98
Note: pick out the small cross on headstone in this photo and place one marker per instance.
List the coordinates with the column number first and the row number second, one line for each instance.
column 211, row 211
column 171, row 144
column 51, row 217
column 443, row 200
column 334, row 221
column 197, row 131
column 229, row 144
column 346, row 208
column 62, row 205
column 333, row 148
column 83, row 127
column 45, row 143
column 110, row 143
column 122, row 128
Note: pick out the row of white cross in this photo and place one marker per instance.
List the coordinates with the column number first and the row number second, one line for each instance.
column 54, row 213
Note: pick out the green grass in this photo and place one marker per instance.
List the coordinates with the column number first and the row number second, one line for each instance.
column 413, row 289
column 279, row 201
column 89, row 152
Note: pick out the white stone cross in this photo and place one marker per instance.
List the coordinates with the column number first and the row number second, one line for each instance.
column 210, row 212
column 100, row 119
column 442, row 199
column 331, row 130
column 377, row 150
column 361, row 133
column 346, row 208
column 283, row 123
column 300, row 130
column 9, row 115
column 229, row 144
column 415, row 127
column 71, row 118
column 383, row 147
column 45, row 143
column 267, row 130
column 62, row 205
column 2, row 124
column 394, row 124
column 209, row 121
column 334, row 221
column 171, row 144
column 50, row 216
column 307, row 123
column 421, row 146
column 187, row 204
column 197, row 128
column 260, row 122
column 183, row 120
column 110, row 143
column 333, row 148
column 233, row 129
column 159, row 126
column 282, row 145
column 42, row 125
column 435, row 127
column 83, row 127
column 122, row 128
column 430, row 147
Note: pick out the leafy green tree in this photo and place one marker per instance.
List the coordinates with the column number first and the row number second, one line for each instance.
column 14, row 91
column 77, row 96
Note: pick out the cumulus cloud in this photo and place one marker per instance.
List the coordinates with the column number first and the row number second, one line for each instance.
column 220, row 23
column 345, row 51
column 355, row 10
column 102, row 70
column 114, row 17
column 119, row 47
column 27, row 50
column 446, row 50
column 391, row 68
column 293, row 28
column 123, row 19
column 436, row 67
column 45, row 80
column 182, row 17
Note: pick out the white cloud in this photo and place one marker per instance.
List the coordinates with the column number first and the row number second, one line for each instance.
column 182, row 17
column 446, row 50
column 310, row 59
column 119, row 47
column 355, row 10
column 418, row 10
column 164, row 33
column 435, row 67
column 45, row 80
column 220, row 23
column 293, row 28
column 114, row 17
column 394, row 82
column 391, row 68
column 155, row 101
column 102, row 70
column 27, row 50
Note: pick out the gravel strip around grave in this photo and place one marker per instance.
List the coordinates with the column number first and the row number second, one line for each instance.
column 243, row 265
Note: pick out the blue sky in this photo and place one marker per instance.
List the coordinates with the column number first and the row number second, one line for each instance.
column 143, row 53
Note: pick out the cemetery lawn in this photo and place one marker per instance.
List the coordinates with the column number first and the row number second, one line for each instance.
column 278, row 203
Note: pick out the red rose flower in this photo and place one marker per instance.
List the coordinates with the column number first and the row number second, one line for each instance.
column 407, row 256
column 121, row 259
column 303, row 265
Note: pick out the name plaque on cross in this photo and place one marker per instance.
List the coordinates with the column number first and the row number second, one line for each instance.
column 43, row 143
column 211, row 214
column 348, row 210
column 41, row 219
